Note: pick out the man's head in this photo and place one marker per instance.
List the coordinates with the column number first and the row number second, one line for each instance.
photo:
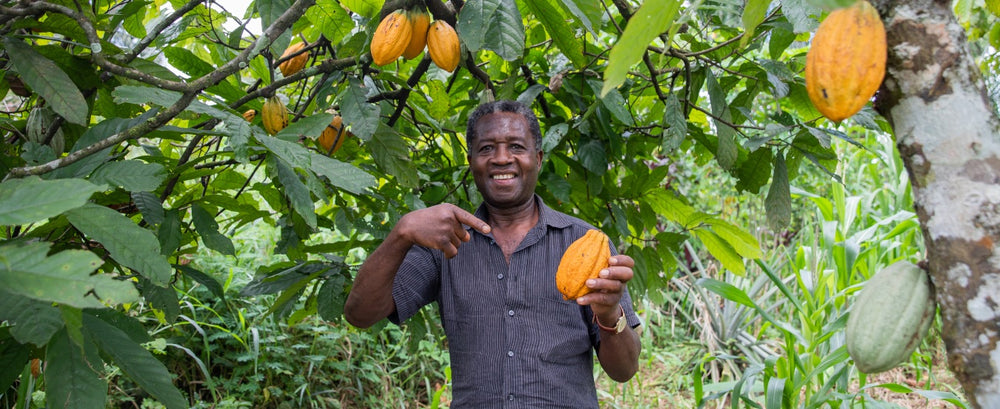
column 505, row 153
column 503, row 106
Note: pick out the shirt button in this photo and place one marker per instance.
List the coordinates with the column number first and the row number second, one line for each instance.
column 500, row 276
column 510, row 354
column 510, row 397
column 510, row 312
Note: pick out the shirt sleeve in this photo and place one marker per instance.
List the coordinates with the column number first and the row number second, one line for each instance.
column 417, row 283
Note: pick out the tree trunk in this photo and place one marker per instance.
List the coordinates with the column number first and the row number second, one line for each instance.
column 947, row 135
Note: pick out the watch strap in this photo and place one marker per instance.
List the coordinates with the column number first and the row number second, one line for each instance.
column 619, row 325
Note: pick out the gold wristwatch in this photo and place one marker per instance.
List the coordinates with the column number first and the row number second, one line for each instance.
column 619, row 326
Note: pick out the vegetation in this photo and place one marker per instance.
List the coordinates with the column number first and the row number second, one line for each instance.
column 159, row 248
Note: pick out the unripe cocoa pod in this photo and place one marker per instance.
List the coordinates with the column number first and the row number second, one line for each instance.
column 443, row 45
column 296, row 63
column 274, row 115
column 419, row 22
column 391, row 38
column 890, row 317
column 845, row 64
column 582, row 260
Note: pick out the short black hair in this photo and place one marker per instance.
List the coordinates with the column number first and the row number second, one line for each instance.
column 503, row 106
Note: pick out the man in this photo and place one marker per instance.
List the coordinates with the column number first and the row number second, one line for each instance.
column 513, row 341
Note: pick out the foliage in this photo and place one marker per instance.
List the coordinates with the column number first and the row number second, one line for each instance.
column 125, row 152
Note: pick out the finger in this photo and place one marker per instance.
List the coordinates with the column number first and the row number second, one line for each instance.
column 471, row 220
column 601, row 284
column 623, row 274
column 621, row 260
column 449, row 251
column 460, row 233
column 598, row 298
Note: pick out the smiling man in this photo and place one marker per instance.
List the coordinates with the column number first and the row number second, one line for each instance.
column 513, row 341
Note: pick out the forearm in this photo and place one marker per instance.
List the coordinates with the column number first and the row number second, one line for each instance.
column 619, row 354
column 370, row 299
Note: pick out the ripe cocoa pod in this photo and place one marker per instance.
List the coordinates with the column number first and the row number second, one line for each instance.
column 250, row 114
column 583, row 260
column 294, row 64
column 334, row 135
column 419, row 22
column 845, row 64
column 274, row 115
column 391, row 38
column 890, row 317
column 443, row 46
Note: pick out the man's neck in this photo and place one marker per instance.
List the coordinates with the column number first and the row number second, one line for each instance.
column 524, row 215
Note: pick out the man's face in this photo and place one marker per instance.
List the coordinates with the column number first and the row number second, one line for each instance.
column 504, row 160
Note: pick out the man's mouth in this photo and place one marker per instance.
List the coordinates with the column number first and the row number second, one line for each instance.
column 503, row 176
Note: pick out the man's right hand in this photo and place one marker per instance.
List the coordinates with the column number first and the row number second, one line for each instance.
column 440, row 227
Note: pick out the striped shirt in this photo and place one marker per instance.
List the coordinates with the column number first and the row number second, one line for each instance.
column 513, row 341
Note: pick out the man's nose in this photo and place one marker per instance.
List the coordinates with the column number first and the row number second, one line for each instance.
column 502, row 154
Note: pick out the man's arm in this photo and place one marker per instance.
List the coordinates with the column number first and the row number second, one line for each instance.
column 618, row 353
column 440, row 227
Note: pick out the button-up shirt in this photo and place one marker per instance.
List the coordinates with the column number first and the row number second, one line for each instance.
column 513, row 340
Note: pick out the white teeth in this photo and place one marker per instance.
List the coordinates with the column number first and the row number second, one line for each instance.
column 503, row 176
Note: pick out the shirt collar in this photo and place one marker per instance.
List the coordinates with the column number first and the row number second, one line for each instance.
column 546, row 216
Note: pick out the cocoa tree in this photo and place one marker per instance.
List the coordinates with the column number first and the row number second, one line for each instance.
column 946, row 129
column 125, row 149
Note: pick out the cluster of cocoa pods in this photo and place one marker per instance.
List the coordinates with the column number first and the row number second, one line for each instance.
column 406, row 32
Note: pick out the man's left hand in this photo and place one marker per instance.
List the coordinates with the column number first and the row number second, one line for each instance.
column 608, row 288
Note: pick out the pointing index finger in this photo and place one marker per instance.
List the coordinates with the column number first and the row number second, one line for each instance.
column 471, row 220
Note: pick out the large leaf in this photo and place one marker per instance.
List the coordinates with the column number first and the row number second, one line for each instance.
column 64, row 277
column 493, row 25
column 208, row 228
column 33, row 199
column 674, row 122
column 367, row 8
column 721, row 250
column 745, row 244
column 727, row 151
column 779, row 200
column 331, row 19
column 341, row 174
column 46, row 78
column 361, row 117
column 131, row 175
column 14, row 355
column 136, row 362
column 70, row 374
column 126, row 242
column 754, row 13
column 34, row 321
column 549, row 13
column 392, row 154
column 653, row 18
column 296, row 192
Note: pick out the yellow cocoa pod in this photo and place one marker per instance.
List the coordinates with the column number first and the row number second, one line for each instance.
column 443, row 46
column 583, row 260
column 294, row 64
column 334, row 135
column 250, row 114
column 419, row 21
column 845, row 64
column 391, row 38
column 274, row 115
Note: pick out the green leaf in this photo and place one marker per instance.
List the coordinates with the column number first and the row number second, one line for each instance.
column 187, row 61
column 136, row 362
column 169, row 233
column 753, row 14
column 70, row 374
column 674, row 122
column 367, row 8
column 331, row 298
column 306, row 127
column 208, row 228
column 204, row 279
column 653, row 18
column 593, row 157
column 361, row 117
column 721, row 250
column 755, row 171
column 587, row 12
column 33, row 199
column 727, row 150
column 727, row 291
column 331, row 19
column 341, row 174
column 126, row 242
column 150, row 207
column 493, row 25
column 131, row 175
column 64, row 277
column 392, row 154
column 291, row 152
column 45, row 77
column 34, row 321
column 561, row 33
column 779, row 199
column 14, row 356
column 296, row 192
column 745, row 244
column 667, row 205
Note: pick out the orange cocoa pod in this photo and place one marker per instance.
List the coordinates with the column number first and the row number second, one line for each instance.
column 391, row 38
column 274, row 115
column 583, row 260
column 250, row 114
column 419, row 21
column 294, row 64
column 334, row 135
column 443, row 45
column 845, row 64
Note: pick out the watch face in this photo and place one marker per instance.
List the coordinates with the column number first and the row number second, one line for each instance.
column 620, row 326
